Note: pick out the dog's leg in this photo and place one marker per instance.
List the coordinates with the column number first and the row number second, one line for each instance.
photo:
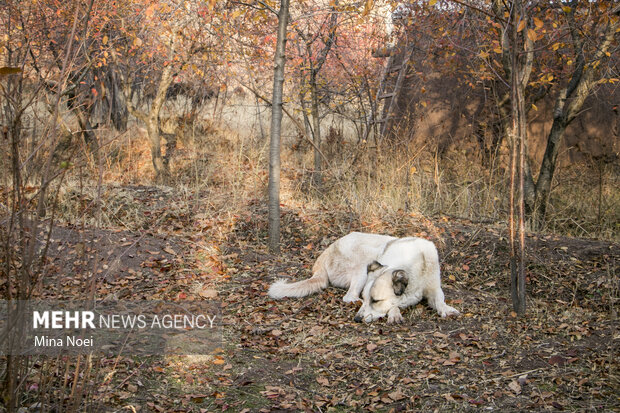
column 436, row 300
column 358, row 281
column 394, row 316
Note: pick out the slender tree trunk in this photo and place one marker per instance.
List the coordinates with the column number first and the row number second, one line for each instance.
column 315, row 65
column 276, row 125
column 518, row 137
column 151, row 121
column 152, row 125
column 547, row 170
column 316, row 128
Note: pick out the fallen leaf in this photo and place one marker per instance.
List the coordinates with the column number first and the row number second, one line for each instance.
column 515, row 387
column 322, row 381
column 396, row 395
column 557, row 360
column 208, row 293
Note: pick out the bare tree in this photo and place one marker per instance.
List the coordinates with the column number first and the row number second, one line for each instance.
column 571, row 98
column 276, row 129
column 315, row 64
column 520, row 67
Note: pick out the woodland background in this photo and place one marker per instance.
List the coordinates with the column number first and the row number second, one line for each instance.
column 135, row 137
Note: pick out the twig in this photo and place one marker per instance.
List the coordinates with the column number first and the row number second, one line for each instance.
column 513, row 375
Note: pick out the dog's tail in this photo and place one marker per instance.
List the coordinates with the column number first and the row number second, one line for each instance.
column 317, row 282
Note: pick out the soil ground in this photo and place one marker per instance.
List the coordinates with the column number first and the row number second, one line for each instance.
column 309, row 355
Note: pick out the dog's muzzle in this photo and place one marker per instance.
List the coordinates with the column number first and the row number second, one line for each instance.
column 358, row 318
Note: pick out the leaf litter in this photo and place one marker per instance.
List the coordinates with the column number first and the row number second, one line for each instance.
column 308, row 355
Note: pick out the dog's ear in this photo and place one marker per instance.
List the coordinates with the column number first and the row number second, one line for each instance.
column 399, row 281
column 374, row 266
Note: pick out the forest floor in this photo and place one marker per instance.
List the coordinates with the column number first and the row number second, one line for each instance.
column 309, row 355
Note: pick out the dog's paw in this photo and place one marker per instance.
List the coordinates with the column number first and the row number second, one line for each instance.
column 448, row 311
column 350, row 299
column 395, row 317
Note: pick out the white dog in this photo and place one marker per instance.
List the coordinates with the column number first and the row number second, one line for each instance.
column 391, row 273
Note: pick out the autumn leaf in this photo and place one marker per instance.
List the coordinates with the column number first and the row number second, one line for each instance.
column 538, row 23
column 5, row 71
column 515, row 387
column 367, row 7
column 557, row 360
column 208, row 293
column 397, row 395
column 323, row 381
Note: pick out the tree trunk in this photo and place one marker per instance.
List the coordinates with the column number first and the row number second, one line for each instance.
column 518, row 80
column 276, row 129
column 152, row 129
column 316, row 137
column 545, row 176
column 568, row 105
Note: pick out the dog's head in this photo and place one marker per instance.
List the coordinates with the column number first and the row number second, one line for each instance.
column 382, row 292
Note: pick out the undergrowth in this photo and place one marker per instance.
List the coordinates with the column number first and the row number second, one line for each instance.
column 368, row 182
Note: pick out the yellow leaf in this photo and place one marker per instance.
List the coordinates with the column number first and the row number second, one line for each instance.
column 521, row 25
column 498, row 49
column 5, row 71
column 534, row 107
column 432, row 2
column 538, row 23
column 555, row 46
column 567, row 9
column 367, row 7
column 104, row 40
column 531, row 33
column 149, row 11
column 483, row 54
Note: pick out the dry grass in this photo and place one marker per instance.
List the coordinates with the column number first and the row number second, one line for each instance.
column 377, row 182
column 367, row 182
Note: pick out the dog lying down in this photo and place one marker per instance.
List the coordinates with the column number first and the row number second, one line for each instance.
column 390, row 273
